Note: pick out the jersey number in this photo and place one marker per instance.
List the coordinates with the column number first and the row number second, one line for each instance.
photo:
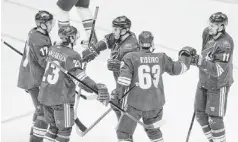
column 52, row 77
column 148, row 76
column 43, row 50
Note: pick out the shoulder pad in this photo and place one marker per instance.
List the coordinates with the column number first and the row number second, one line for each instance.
column 38, row 38
column 205, row 32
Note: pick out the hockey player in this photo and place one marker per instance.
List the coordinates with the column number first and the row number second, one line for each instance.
column 215, row 77
column 120, row 42
column 57, row 93
column 85, row 14
column 32, row 68
column 146, row 101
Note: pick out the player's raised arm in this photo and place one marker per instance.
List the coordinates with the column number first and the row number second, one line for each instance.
column 183, row 63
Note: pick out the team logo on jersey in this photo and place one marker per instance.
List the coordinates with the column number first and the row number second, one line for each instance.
column 212, row 108
column 208, row 57
column 226, row 44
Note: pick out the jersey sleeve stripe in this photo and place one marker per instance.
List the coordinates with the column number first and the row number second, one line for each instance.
column 124, row 81
column 81, row 76
column 125, row 78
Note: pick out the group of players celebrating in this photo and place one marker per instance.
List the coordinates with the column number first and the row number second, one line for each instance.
column 132, row 62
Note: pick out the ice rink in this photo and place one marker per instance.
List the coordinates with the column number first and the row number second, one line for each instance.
column 174, row 23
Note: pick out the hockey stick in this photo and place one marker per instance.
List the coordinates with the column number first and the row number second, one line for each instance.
column 17, row 51
column 190, row 128
column 14, row 49
column 93, row 25
column 104, row 114
column 81, row 128
column 160, row 123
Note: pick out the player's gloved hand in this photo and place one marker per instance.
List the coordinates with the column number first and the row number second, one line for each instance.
column 113, row 65
column 116, row 95
column 89, row 53
column 196, row 60
column 187, row 51
column 103, row 95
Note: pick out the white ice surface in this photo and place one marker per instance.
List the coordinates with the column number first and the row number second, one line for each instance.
column 174, row 23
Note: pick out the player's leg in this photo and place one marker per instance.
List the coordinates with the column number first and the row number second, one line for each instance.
column 201, row 116
column 152, row 118
column 64, row 6
column 39, row 127
column 126, row 125
column 216, row 108
column 52, row 130
column 85, row 14
column 64, row 116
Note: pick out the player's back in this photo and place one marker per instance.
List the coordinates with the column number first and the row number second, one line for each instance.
column 57, row 87
column 147, row 71
column 33, row 60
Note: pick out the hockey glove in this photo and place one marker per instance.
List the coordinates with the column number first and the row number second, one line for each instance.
column 90, row 53
column 117, row 94
column 197, row 60
column 113, row 65
column 103, row 95
column 187, row 51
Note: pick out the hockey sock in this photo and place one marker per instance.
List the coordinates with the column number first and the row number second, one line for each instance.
column 87, row 19
column 63, row 18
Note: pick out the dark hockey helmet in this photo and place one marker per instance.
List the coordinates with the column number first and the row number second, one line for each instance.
column 42, row 17
column 146, row 39
column 122, row 21
column 68, row 34
column 219, row 18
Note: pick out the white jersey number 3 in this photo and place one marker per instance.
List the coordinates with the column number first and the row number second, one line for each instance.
column 54, row 76
column 148, row 76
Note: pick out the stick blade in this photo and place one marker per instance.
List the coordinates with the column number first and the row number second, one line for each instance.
column 80, row 127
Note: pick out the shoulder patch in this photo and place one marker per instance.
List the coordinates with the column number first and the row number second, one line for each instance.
column 226, row 44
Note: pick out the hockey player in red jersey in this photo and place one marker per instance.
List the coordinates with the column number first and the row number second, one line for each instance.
column 121, row 41
column 32, row 68
column 215, row 77
column 146, row 101
column 85, row 14
column 57, row 93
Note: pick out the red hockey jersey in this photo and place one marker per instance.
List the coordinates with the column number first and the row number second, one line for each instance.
column 57, row 87
column 216, row 68
column 32, row 65
column 118, row 48
column 147, row 68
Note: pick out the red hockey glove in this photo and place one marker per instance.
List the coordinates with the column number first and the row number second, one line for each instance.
column 187, row 51
column 196, row 60
column 103, row 95
column 113, row 65
column 90, row 53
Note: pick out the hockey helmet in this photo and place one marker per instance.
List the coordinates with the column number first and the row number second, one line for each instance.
column 219, row 18
column 42, row 17
column 68, row 33
column 122, row 21
column 146, row 39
